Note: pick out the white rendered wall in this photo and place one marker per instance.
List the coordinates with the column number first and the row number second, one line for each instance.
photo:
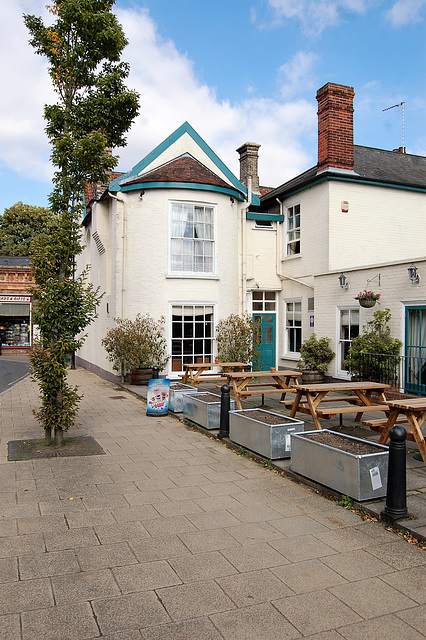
column 141, row 282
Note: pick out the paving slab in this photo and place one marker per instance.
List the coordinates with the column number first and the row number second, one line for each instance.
column 173, row 535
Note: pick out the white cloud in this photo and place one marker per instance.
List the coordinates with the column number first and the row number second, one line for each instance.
column 170, row 93
column 404, row 12
column 315, row 15
column 296, row 74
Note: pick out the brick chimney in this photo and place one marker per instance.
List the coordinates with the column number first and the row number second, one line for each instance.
column 249, row 157
column 335, row 127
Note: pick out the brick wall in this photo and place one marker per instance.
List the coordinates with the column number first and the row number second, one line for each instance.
column 335, row 127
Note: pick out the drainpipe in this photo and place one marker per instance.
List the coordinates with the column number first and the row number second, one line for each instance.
column 243, row 303
column 123, row 249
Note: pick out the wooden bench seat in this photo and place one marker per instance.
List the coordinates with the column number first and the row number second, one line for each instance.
column 262, row 391
column 380, row 422
column 205, row 377
column 334, row 411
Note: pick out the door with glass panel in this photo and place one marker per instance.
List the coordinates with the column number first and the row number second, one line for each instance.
column 415, row 350
column 263, row 306
column 348, row 330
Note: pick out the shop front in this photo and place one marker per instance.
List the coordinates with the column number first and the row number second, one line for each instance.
column 15, row 323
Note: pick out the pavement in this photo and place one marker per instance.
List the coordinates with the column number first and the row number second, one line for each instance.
column 173, row 536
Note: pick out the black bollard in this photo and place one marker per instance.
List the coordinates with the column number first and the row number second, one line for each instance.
column 155, row 373
column 225, row 404
column 396, row 493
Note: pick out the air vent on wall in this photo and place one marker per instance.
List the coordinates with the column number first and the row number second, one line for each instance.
column 98, row 242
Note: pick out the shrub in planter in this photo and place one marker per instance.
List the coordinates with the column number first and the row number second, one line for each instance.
column 137, row 344
column 238, row 339
column 316, row 355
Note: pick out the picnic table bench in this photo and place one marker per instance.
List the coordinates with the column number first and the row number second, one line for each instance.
column 310, row 398
column 249, row 383
column 195, row 373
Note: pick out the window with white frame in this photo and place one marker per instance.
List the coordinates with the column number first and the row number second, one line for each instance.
column 348, row 330
column 192, row 334
column 293, row 328
column 192, row 241
column 293, row 230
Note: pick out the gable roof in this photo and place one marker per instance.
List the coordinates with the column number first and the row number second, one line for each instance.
column 374, row 166
column 184, row 142
column 183, row 169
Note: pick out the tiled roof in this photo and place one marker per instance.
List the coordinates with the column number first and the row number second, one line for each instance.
column 14, row 261
column 183, row 169
column 375, row 165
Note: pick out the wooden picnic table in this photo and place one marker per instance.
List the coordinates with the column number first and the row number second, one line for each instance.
column 310, row 399
column 248, row 383
column 199, row 372
column 413, row 411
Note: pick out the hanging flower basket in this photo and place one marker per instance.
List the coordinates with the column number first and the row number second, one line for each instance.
column 366, row 303
column 367, row 299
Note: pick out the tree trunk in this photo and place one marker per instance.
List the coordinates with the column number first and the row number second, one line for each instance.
column 59, row 437
column 47, row 437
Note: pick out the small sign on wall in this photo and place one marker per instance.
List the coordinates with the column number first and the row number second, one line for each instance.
column 311, row 321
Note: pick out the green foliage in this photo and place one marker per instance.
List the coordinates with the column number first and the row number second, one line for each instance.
column 316, row 354
column 238, row 339
column 138, row 343
column 376, row 338
column 94, row 110
column 20, row 224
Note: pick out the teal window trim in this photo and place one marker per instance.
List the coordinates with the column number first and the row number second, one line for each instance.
column 264, row 216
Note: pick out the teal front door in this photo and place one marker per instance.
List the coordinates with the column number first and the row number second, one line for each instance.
column 267, row 347
column 415, row 350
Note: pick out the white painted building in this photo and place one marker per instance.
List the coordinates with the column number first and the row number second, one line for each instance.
column 164, row 239
column 360, row 213
column 176, row 237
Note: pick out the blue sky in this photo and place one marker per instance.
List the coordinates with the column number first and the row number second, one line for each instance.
column 237, row 70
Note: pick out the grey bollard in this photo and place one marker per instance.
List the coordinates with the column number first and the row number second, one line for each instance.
column 225, row 404
column 396, row 494
column 155, row 373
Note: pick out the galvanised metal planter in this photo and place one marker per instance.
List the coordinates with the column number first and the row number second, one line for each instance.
column 204, row 409
column 263, row 432
column 177, row 391
column 359, row 476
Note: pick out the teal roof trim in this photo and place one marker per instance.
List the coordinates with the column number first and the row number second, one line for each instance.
column 183, row 185
column 115, row 185
column 250, row 215
column 374, row 183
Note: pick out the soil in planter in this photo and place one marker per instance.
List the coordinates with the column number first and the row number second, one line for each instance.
column 176, row 386
column 264, row 416
column 344, row 444
column 208, row 397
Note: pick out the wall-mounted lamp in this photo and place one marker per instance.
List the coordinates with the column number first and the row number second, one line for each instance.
column 343, row 281
column 412, row 274
column 232, row 200
column 141, row 195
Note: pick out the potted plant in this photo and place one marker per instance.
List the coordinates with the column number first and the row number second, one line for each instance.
column 136, row 346
column 367, row 299
column 316, row 355
column 238, row 339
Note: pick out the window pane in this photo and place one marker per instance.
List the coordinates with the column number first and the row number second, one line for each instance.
column 194, row 223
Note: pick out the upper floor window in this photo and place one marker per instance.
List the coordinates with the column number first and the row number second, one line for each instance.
column 192, row 238
column 293, row 230
column 293, row 328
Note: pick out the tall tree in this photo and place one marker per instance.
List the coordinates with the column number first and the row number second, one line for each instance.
column 93, row 111
column 20, row 224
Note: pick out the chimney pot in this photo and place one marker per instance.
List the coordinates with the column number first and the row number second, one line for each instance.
column 249, row 158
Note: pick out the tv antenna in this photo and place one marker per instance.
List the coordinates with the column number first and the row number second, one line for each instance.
column 394, row 106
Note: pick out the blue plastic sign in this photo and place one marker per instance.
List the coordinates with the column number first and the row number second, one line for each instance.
column 157, row 397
